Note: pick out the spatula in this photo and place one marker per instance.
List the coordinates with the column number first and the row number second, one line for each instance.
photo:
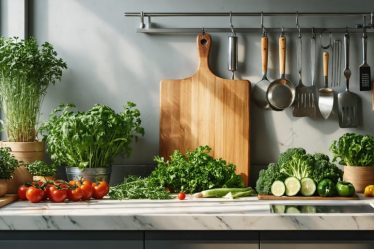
column 299, row 105
column 365, row 77
column 326, row 94
column 349, row 107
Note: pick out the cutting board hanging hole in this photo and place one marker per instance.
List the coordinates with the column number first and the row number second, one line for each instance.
column 203, row 42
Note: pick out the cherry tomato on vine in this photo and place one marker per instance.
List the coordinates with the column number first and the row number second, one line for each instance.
column 22, row 192
column 57, row 194
column 87, row 189
column 100, row 189
column 75, row 194
column 34, row 194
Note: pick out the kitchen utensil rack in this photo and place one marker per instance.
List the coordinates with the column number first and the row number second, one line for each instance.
column 147, row 27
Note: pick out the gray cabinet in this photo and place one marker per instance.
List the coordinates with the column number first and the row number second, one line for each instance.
column 71, row 239
column 316, row 240
column 201, row 240
column 319, row 245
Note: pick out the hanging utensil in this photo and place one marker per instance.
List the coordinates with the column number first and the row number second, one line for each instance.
column 336, row 63
column 326, row 94
column 365, row 77
column 349, row 107
column 260, row 88
column 281, row 92
column 233, row 50
column 309, row 93
column 299, row 104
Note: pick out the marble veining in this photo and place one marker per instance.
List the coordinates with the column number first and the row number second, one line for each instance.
column 191, row 214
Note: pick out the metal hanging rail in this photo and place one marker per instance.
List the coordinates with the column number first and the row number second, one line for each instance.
column 148, row 29
column 167, row 14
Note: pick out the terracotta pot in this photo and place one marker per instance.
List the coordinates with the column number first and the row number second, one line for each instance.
column 25, row 152
column 3, row 187
column 359, row 176
column 43, row 178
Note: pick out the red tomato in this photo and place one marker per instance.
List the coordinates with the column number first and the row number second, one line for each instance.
column 47, row 190
column 181, row 196
column 87, row 189
column 57, row 195
column 75, row 194
column 100, row 189
column 22, row 192
column 34, row 194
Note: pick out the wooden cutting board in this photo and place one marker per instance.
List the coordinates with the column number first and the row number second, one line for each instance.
column 205, row 109
column 7, row 199
column 304, row 198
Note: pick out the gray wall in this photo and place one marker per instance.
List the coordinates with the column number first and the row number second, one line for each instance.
column 110, row 63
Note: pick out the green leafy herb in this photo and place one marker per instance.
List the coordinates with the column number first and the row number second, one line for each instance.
column 354, row 150
column 93, row 138
column 195, row 171
column 40, row 168
column 7, row 163
column 26, row 70
column 138, row 188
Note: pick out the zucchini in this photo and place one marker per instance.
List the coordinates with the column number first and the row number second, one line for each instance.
column 221, row 192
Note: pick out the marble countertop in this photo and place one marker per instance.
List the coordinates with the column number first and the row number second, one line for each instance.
column 190, row 214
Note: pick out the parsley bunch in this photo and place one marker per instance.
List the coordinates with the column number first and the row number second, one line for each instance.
column 40, row 168
column 93, row 138
column 195, row 171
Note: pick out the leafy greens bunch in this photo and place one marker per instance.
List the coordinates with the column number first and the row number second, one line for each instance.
column 193, row 172
column 353, row 149
column 296, row 162
column 93, row 138
column 26, row 70
column 40, row 168
column 8, row 163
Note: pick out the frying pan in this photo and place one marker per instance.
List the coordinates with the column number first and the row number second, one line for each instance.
column 281, row 92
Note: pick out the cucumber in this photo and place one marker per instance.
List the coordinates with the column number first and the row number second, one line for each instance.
column 278, row 188
column 308, row 187
column 293, row 186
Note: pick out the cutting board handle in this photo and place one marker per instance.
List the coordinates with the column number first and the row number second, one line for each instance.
column 204, row 42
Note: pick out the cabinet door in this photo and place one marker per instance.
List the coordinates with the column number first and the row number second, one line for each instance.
column 316, row 244
column 71, row 239
column 64, row 244
column 317, row 240
column 201, row 240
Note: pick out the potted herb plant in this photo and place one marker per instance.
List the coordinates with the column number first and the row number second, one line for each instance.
column 8, row 164
column 87, row 142
column 356, row 153
column 26, row 71
column 41, row 171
